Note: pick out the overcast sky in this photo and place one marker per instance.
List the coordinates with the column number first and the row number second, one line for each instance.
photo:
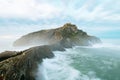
column 97, row 17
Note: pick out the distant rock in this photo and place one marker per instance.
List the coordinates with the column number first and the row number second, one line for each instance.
column 64, row 37
column 22, row 65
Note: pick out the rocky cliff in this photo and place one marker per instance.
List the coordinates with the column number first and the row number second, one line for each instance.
column 22, row 65
column 66, row 36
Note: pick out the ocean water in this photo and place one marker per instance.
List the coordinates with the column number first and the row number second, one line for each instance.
column 99, row 62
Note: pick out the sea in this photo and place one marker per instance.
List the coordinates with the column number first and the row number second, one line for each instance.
column 97, row 62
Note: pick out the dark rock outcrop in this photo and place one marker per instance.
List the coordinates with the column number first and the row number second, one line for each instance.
column 64, row 37
column 7, row 54
column 22, row 65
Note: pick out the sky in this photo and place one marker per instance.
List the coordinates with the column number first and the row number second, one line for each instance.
column 100, row 18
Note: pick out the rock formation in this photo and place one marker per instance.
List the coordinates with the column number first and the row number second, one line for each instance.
column 64, row 37
column 24, row 64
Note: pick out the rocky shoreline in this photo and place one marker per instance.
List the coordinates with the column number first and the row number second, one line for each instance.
column 24, row 64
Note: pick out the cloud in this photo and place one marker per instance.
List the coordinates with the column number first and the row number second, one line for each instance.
column 101, row 29
column 97, row 13
column 7, row 37
column 31, row 9
column 114, row 17
column 87, row 10
column 19, row 30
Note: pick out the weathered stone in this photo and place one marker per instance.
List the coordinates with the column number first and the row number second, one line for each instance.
column 23, row 65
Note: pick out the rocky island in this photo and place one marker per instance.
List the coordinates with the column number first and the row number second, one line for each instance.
column 64, row 37
column 23, row 65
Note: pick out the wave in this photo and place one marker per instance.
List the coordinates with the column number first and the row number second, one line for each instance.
column 41, row 73
column 85, row 63
column 60, row 68
column 68, row 65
